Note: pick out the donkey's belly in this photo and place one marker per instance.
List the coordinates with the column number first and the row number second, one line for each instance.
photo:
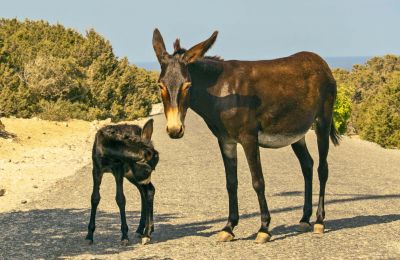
column 268, row 140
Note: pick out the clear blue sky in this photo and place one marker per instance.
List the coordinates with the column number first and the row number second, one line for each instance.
column 247, row 29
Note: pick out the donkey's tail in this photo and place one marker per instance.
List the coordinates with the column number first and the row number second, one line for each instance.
column 334, row 134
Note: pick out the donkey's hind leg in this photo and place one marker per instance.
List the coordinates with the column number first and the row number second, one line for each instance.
column 118, row 173
column 95, row 199
column 323, row 130
column 306, row 163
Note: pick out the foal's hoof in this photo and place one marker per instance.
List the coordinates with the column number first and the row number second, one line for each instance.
column 319, row 228
column 224, row 236
column 262, row 238
column 137, row 235
column 124, row 242
column 304, row 227
column 145, row 240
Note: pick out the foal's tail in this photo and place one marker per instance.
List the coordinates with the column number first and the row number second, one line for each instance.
column 334, row 134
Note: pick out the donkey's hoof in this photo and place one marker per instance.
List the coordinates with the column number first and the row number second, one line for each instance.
column 304, row 227
column 224, row 236
column 319, row 228
column 262, row 238
column 145, row 240
column 137, row 235
column 89, row 241
column 124, row 242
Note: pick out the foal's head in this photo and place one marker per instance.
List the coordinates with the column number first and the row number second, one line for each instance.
column 175, row 80
column 132, row 145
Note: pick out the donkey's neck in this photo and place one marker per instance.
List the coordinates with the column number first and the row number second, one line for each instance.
column 204, row 74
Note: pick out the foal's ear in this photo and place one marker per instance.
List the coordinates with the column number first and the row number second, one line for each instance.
column 158, row 45
column 200, row 49
column 147, row 130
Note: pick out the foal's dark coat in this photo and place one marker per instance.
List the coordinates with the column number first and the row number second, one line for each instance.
column 267, row 103
column 126, row 151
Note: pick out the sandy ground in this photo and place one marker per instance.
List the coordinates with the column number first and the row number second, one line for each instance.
column 363, row 199
column 42, row 153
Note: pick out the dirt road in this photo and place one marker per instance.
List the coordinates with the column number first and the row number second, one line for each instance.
column 363, row 207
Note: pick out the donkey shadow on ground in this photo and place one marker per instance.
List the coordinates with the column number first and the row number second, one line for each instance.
column 52, row 233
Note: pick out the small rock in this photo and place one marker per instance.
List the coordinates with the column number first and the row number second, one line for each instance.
column 44, row 133
column 9, row 160
column 29, row 137
column 35, row 186
column 24, row 201
column 65, row 124
column 3, row 192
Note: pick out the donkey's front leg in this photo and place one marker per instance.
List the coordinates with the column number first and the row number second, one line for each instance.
column 252, row 151
column 229, row 156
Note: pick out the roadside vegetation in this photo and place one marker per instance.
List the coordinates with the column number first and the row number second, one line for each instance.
column 56, row 73
column 368, row 100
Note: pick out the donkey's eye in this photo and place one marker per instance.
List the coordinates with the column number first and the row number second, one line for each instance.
column 161, row 85
column 186, row 85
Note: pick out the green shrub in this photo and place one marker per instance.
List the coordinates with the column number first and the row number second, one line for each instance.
column 342, row 108
column 57, row 74
column 374, row 90
column 378, row 117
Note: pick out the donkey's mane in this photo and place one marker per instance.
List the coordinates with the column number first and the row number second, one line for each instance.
column 215, row 58
column 179, row 52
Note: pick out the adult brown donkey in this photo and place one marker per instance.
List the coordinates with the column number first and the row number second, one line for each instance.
column 267, row 103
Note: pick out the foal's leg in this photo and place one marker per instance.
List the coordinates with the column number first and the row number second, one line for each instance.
column 118, row 173
column 142, row 222
column 149, row 192
column 146, row 218
column 229, row 156
column 95, row 199
column 252, row 151
column 306, row 162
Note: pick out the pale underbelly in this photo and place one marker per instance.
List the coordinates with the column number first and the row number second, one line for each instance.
column 278, row 140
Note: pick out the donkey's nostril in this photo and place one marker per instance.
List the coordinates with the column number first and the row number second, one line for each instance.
column 181, row 130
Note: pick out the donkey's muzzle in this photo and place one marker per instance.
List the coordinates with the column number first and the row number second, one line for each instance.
column 176, row 132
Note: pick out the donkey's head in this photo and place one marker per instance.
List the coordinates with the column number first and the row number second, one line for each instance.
column 175, row 80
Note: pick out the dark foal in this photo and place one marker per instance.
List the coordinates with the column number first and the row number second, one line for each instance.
column 267, row 103
column 126, row 151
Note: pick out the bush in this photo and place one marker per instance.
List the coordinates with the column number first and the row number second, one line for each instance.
column 57, row 74
column 378, row 117
column 342, row 109
column 374, row 92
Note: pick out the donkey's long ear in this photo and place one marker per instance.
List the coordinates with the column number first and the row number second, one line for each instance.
column 147, row 130
column 200, row 49
column 158, row 45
